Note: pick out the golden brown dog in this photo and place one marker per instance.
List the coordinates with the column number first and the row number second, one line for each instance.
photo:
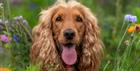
column 67, row 38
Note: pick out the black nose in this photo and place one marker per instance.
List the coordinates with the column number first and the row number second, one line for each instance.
column 69, row 34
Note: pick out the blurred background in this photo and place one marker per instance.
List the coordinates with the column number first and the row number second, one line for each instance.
column 110, row 15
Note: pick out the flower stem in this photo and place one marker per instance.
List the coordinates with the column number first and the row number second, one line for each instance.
column 8, row 9
column 28, row 32
column 117, row 55
column 122, row 26
column 106, row 65
column 3, row 15
column 122, row 38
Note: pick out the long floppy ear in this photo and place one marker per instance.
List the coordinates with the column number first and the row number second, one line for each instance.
column 42, row 35
column 43, row 48
column 92, row 45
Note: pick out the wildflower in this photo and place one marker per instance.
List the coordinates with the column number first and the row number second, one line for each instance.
column 27, row 25
column 18, row 18
column 4, row 38
column 16, row 2
column 132, row 35
column 1, row 22
column 127, row 17
column 137, row 28
column 5, row 69
column 1, row 5
column 33, row 6
column 126, row 42
column 16, row 38
column 130, row 18
column 25, row 22
column 131, row 29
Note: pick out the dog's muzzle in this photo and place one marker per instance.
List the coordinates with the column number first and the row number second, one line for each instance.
column 69, row 34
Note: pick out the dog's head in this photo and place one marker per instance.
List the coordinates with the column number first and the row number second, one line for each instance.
column 70, row 29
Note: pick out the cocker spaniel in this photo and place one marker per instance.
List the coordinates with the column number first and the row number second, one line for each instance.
column 67, row 38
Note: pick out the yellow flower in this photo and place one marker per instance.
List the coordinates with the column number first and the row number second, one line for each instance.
column 5, row 69
column 131, row 29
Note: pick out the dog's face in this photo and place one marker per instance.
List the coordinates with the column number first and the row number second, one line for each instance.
column 68, row 30
column 67, row 37
column 68, row 25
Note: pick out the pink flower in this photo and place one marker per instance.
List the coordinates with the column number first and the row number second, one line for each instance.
column 4, row 38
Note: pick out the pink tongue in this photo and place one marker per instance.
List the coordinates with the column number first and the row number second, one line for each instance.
column 69, row 55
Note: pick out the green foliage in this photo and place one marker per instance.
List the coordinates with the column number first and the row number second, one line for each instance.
column 14, row 51
column 33, row 68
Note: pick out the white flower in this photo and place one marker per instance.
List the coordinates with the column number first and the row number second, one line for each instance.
column 1, row 5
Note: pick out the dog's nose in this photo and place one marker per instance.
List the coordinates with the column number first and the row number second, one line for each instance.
column 69, row 34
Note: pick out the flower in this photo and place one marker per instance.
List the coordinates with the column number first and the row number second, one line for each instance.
column 33, row 6
column 5, row 69
column 127, row 17
column 16, row 2
column 18, row 18
column 1, row 5
column 4, row 38
column 137, row 28
column 127, row 42
column 25, row 23
column 15, row 38
column 130, row 18
column 131, row 29
column 132, row 35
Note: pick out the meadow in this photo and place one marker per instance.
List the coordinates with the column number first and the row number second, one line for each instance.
column 119, row 21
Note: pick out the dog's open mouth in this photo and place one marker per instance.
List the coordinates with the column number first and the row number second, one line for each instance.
column 69, row 54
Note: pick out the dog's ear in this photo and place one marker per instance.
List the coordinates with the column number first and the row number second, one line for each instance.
column 43, row 48
column 92, row 46
column 41, row 33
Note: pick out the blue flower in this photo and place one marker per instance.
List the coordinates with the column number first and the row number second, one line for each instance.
column 130, row 18
column 15, row 38
column 33, row 6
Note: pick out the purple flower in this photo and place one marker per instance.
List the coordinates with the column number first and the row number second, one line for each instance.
column 130, row 18
column 16, row 2
column 4, row 38
column 18, row 18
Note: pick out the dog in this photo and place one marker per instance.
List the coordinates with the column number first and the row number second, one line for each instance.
column 67, row 38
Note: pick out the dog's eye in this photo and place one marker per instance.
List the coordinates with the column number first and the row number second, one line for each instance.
column 79, row 19
column 59, row 18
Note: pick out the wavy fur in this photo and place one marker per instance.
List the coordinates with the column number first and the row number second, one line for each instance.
column 43, row 47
